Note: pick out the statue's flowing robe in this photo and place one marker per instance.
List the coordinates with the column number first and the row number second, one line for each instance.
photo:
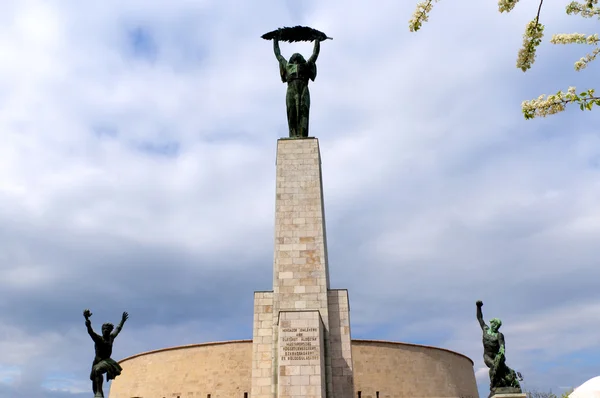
column 297, row 99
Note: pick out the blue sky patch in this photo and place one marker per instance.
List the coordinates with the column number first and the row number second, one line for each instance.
column 166, row 149
column 142, row 44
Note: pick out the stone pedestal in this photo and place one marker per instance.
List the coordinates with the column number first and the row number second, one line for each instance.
column 301, row 298
column 300, row 274
column 513, row 395
column 301, row 355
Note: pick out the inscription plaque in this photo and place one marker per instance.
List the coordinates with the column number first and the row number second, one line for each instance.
column 300, row 344
column 301, row 355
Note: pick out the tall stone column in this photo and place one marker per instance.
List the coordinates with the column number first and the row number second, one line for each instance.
column 301, row 337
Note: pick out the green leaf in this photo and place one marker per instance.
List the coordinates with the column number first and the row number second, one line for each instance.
column 528, row 114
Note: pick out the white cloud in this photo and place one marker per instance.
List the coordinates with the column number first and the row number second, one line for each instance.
column 482, row 374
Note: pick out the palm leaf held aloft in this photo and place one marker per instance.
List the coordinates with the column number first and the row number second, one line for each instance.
column 296, row 33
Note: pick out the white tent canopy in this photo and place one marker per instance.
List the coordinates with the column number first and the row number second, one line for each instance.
column 589, row 389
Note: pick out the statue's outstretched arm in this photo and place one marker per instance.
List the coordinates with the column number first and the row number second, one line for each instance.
column 277, row 52
column 117, row 330
column 315, row 54
column 88, row 324
column 480, row 316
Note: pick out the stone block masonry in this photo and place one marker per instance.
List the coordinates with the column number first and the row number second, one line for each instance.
column 262, row 346
column 300, row 274
column 301, row 355
column 320, row 363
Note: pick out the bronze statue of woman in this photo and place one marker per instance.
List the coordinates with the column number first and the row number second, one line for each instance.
column 296, row 72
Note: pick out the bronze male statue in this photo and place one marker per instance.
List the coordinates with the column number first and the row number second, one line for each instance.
column 502, row 378
column 103, row 363
column 296, row 73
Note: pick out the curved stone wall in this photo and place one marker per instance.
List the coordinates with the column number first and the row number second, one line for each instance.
column 223, row 370
column 409, row 370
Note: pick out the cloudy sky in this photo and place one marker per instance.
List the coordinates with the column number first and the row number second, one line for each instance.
column 137, row 173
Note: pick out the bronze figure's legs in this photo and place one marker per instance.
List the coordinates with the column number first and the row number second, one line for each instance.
column 99, row 393
column 97, row 383
column 304, row 112
column 298, row 116
column 297, row 101
column 292, row 111
column 488, row 360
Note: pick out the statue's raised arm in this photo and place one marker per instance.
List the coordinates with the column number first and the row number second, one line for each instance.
column 88, row 324
column 479, row 304
column 315, row 54
column 277, row 52
column 117, row 330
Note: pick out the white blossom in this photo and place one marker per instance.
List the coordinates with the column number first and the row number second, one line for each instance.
column 586, row 10
column 575, row 38
column 546, row 105
column 531, row 39
column 506, row 5
column 582, row 63
column 420, row 15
